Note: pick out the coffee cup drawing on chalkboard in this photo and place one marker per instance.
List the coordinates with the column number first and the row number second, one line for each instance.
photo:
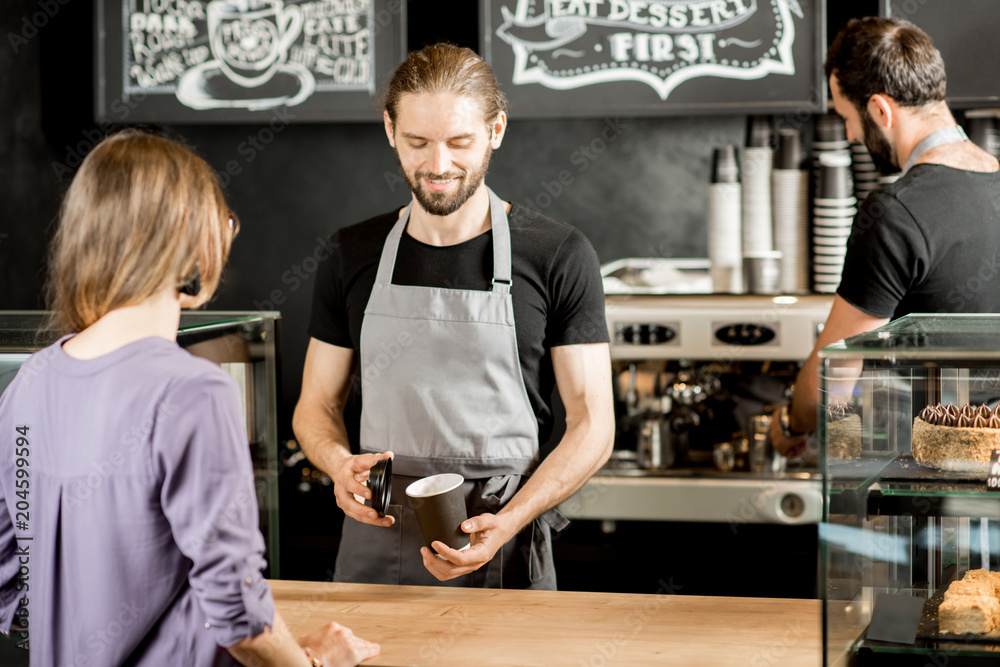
column 249, row 40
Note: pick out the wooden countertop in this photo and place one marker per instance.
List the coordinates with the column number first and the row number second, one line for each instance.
column 418, row 625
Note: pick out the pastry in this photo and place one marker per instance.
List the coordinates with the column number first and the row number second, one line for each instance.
column 993, row 578
column 843, row 433
column 969, row 587
column 953, row 438
column 971, row 605
column 968, row 614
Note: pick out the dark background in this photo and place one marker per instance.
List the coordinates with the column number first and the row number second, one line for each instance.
column 645, row 195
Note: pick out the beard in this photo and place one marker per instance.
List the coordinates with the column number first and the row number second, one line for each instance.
column 882, row 152
column 446, row 203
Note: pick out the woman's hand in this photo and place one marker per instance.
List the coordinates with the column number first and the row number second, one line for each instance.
column 337, row 646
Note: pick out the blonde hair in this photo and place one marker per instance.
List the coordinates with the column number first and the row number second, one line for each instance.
column 142, row 212
column 446, row 68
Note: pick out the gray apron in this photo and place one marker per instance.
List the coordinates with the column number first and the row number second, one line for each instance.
column 442, row 388
column 946, row 135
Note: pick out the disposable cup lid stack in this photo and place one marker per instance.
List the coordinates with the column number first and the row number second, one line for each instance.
column 757, row 226
column 830, row 139
column 760, row 132
column 822, row 162
column 867, row 177
column 725, row 222
column 830, row 128
column 790, row 209
column 834, row 207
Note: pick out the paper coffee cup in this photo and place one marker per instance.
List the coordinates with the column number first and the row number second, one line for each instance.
column 439, row 504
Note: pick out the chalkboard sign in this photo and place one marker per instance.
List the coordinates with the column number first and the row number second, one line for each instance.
column 656, row 57
column 965, row 32
column 205, row 61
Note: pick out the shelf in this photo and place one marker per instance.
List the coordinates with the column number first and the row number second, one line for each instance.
column 959, row 651
column 900, row 486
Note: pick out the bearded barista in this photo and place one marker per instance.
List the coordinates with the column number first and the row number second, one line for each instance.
column 919, row 243
column 458, row 315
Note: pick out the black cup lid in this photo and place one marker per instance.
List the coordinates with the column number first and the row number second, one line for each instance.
column 789, row 154
column 725, row 169
column 830, row 127
column 380, row 483
column 760, row 132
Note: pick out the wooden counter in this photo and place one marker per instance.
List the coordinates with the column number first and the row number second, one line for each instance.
column 419, row 625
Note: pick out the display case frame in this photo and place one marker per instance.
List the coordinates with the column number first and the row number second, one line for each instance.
column 245, row 344
column 894, row 527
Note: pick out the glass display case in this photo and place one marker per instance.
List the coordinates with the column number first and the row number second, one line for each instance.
column 907, row 429
column 242, row 343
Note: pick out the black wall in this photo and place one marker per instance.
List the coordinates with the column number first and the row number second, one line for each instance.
column 634, row 186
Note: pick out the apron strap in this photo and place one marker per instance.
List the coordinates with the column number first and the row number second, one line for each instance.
column 501, row 246
column 946, row 135
column 388, row 260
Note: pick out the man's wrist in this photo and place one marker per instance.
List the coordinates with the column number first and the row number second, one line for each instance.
column 785, row 422
column 511, row 522
column 336, row 454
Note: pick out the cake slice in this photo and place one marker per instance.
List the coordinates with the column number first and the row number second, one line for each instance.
column 968, row 614
column 971, row 605
column 970, row 586
column 987, row 576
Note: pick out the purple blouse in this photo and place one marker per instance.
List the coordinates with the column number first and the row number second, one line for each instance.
column 128, row 515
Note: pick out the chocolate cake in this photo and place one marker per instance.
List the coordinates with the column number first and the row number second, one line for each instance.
column 958, row 439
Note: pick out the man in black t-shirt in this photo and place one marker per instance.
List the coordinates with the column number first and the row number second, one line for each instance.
column 459, row 315
column 928, row 242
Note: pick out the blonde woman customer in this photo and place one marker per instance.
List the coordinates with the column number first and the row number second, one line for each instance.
column 160, row 563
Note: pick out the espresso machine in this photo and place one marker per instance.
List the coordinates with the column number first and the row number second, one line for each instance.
column 696, row 379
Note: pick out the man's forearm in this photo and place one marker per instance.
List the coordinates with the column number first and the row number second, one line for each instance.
column 582, row 451
column 322, row 435
column 843, row 322
column 806, row 397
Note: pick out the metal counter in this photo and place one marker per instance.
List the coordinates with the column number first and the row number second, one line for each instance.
column 793, row 498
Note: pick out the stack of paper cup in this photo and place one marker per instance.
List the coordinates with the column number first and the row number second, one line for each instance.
column 790, row 208
column 831, row 138
column 725, row 252
column 758, row 159
column 865, row 172
column 833, row 214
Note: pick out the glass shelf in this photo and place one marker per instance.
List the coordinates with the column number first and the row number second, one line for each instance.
column 922, row 336
column 892, row 523
column 928, row 643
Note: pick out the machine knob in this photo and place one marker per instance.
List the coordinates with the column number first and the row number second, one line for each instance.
column 792, row 505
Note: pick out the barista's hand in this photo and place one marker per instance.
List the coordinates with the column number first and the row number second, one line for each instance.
column 348, row 478
column 337, row 646
column 488, row 534
column 790, row 447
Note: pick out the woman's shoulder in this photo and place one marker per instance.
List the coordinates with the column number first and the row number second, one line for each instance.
column 166, row 365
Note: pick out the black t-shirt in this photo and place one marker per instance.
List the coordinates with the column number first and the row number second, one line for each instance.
column 928, row 243
column 557, row 292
